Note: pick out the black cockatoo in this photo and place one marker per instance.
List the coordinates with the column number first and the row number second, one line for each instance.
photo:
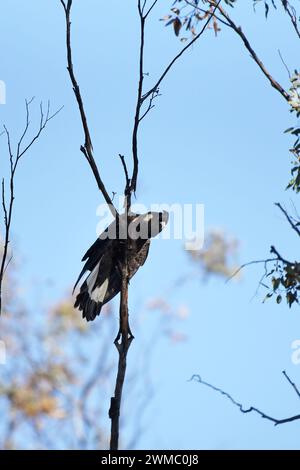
column 103, row 259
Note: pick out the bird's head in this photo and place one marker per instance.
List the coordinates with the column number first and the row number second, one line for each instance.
column 148, row 225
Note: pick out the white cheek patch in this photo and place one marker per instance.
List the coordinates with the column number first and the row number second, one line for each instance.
column 98, row 294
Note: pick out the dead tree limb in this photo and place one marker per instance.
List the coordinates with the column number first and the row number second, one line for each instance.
column 87, row 147
column 226, row 19
column 290, row 10
column 156, row 86
column 14, row 159
column 251, row 409
column 122, row 343
column 125, row 337
column 240, row 33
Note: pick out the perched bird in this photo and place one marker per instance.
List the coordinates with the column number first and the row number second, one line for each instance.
column 104, row 259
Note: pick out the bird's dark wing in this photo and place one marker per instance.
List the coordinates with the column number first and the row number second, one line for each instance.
column 92, row 256
column 105, row 280
column 99, row 244
column 93, row 290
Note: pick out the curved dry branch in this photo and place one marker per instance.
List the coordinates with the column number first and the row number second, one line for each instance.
column 240, row 33
column 250, row 409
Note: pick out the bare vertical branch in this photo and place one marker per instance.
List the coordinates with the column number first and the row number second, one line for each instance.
column 139, row 100
column 87, row 148
column 122, row 343
column 125, row 337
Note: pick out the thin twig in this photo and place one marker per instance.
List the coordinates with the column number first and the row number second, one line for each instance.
column 291, row 383
column 150, row 8
column 139, row 101
column 249, row 264
column 127, row 179
column 240, row 405
column 284, row 64
column 292, row 224
column 174, row 60
column 154, row 95
column 206, row 12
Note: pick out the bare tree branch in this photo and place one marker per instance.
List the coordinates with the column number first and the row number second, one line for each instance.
column 125, row 337
column 279, row 257
column 174, row 60
column 260, row 261
column 14, row 160
column 139, row 100
column 150, row 8
column 292, row 14
column 284, row 64
column 240, row 406
column 290, row 221
column 87, row 148
column 291, row 383
column 127, row 179
column 248, row 46
column 206, row 12
column 122, row 343
column 154, row 95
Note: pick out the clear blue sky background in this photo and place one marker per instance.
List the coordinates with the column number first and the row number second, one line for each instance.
column 215, row 137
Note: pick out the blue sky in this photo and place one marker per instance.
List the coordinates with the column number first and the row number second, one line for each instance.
column 215, row 137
